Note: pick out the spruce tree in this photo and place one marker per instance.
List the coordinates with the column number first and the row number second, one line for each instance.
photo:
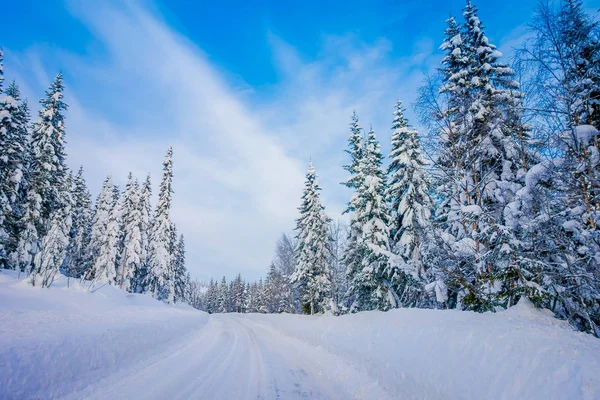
column 411, row 206
column 100, row 219
column 353, row 253
column 79, row 237
column 105, row 265
column 145, row 230
column 480, row 164
column 313, row 270
column 47, row 169
column 159, row 279
column 180, row 272
column 223, row 296
column 14, row 162
column 131, row 259
column 370, row 286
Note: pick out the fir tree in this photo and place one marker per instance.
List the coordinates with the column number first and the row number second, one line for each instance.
column 14, row 161
column 47, row 169
column 411, row 206
column 145, row 230
column 180, row 272
column 131, row 259
column 79, row 237
column 313, row 271
column 159, row 275
column 353, row 252
column 370, row 286
column 223, row 296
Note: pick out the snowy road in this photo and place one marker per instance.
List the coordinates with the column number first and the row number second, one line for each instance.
column 233, row 357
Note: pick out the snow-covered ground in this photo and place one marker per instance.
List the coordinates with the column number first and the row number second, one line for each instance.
column 68, row 343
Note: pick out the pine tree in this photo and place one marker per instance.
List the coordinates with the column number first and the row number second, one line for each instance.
column 99, row 235
column 6, row 103
column 14, row 161
column 47, row 169
column 480, row 164
column 312, row 271
column 180, row 272
column 145, row 230
column 131, row 259
column 105, row 265
column 79, row 237
column 223, row 296
column 353, row 252
column 159, row 276
column 411, row 205
column 370, row 286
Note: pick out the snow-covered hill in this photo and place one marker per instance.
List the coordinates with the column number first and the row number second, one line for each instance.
column 68, row 343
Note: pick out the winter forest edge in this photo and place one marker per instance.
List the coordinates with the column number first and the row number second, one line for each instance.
column 496, row 198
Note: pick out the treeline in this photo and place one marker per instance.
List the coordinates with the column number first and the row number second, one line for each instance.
column 498, row 199
column 48, row 225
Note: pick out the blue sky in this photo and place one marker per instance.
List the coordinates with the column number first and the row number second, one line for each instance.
column 246, row 92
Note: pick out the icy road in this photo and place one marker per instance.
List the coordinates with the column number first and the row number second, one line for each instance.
column 233, row 357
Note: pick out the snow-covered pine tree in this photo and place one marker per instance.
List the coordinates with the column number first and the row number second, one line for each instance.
column 105, row 265
column 53, row 250
column 81, row 214
column 99, row 223
column 131, row 259
column 223, row 296
column 159, row 280
column 480, row 164
column 411, row 205
column 313, row 270
column 47, row 164
column 145, row 230
column 370, row 287
column 14, row 161
column 180, row 272
column 6, row 103
column 353, row 252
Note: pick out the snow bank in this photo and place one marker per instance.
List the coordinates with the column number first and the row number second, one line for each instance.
column 520, row 353
column 55, row 341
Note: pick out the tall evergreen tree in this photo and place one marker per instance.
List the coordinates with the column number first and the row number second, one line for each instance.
column 14, row 156
column 353, row 252
column 131, row 259
column 159, row 275
column 145, row 230
column 370, row 286
column 79, row 237
column 313, row 270
column 411, row 205
column 100, row 219
column 179, row 271
column 47, row 169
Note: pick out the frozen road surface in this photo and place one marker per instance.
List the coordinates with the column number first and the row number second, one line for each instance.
column 233, row 357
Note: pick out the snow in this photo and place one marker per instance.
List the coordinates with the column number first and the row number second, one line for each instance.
column 56, row 341
column 69, row 343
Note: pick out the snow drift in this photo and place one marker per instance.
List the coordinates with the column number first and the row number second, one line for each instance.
column 58, row 340
column 522, row 352
column 63, row 342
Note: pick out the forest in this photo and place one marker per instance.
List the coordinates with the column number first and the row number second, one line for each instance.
column 495, row 197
